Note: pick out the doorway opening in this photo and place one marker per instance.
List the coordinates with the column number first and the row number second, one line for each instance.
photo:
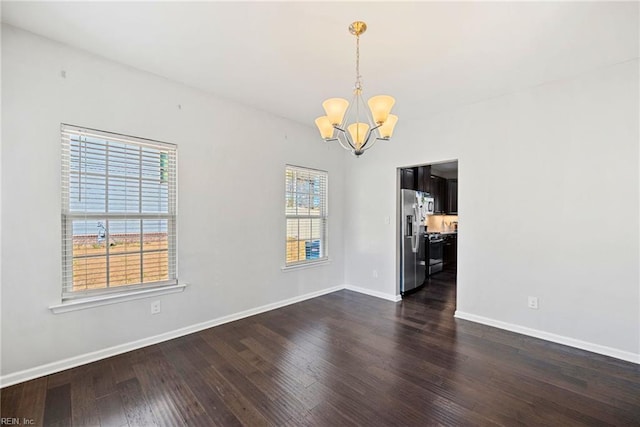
column 427, row 230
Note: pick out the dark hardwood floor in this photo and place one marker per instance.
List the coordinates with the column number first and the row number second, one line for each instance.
column 341, row 359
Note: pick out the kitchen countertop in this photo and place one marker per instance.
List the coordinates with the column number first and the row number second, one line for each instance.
column 442, row 232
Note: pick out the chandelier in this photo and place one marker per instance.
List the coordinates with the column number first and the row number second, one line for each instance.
column 351, row 124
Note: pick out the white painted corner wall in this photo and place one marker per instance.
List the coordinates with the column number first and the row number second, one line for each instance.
column 231, row 225
column 549, row 197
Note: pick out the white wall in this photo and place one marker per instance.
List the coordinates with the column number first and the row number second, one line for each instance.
column 231, row 199
column 548, row 207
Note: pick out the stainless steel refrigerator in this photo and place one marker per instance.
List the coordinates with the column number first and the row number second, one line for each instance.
column 415, row 206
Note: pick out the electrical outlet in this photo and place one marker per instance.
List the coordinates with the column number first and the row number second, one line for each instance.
column 532, row 302
column 375, row 274
column 387, row 220
column 155, row 307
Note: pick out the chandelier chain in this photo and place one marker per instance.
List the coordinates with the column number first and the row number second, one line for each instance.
column 358, row 90
column 358, row 82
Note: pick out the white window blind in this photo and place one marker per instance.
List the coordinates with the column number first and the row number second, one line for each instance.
column 306, row 214
column 118, row 212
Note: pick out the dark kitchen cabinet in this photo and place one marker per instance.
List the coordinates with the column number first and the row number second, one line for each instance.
column 438, row 190
column 423, row 179
column 452, row 197
column 408, row 178
column 450, row 251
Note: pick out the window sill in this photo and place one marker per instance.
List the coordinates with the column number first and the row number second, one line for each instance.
column 305, row 265
column 97, row 301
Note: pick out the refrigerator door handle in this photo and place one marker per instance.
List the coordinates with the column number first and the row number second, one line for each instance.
column 415, row 241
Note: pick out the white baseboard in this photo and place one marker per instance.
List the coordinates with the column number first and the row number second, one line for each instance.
column 388, row 297
column 571, row 342
column 72, row 362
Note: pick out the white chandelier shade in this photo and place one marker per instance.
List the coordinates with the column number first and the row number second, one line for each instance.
column 381, row 107
column 325, row 126
column 335, row 109
column 386, row 130
column 358, row 132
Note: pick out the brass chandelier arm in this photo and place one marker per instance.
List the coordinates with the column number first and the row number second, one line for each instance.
column 341, row 143
column 363, row 149
column 346, row 147
column 346, row 137
column 374, row 142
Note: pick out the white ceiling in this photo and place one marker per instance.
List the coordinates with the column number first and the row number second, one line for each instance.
column 288, row 57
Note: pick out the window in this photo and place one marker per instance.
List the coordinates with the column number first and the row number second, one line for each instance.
column 306, row 212
column 118, row 212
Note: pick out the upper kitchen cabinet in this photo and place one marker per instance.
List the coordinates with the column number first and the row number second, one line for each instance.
column 439, row 180
column 438, row 190
column 444, row 187
column 408, row 178
column 452, row 196
column 423, row 179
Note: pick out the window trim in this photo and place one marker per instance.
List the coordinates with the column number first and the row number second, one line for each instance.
column 114, row 298
column 306, row 263
column 86, row 298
